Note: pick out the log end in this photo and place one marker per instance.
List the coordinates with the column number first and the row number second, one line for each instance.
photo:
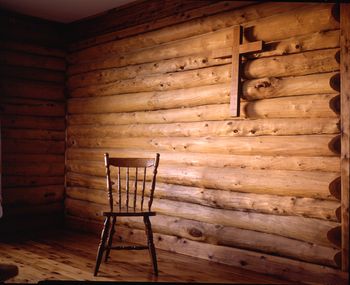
column 337, row 56
column 335, row 188
column 338, row 214
column 334, row 236
column 334, row 104
column 334, row 82
column 336, row 12
column 337, row 259
column 334, row 145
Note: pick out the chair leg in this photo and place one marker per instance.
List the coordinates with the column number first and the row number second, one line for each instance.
column 101, row 246
column 110, row 238
column 151, row 248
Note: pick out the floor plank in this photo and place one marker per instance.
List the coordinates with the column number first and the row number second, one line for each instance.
column 65, row 255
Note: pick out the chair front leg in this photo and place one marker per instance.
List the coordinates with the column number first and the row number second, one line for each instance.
column 151, row 248
column 101, row 246
column 110, row 238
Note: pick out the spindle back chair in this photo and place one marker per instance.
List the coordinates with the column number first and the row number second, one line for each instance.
column 129, row 201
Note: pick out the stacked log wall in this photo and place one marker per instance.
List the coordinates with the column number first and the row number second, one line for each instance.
column 32, row 81
column 260, row 191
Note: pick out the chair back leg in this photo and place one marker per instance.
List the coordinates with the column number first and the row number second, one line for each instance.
column 151, row 248
column 102, row 243
column 110, row 238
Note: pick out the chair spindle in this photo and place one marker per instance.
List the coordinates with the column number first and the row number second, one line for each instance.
column 143, row 187
column 135, row 193
column 127, row 189
column 119, row 189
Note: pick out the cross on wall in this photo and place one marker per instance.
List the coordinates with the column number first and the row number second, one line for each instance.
column 236, row 53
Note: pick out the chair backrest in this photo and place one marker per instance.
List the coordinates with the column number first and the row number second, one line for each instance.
column 131, row 199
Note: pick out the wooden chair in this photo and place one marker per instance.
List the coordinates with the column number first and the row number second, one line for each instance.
column 130, row 203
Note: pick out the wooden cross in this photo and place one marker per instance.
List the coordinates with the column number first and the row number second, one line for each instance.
column 235, row 52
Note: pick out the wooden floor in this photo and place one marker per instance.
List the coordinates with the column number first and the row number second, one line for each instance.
column 63, row 255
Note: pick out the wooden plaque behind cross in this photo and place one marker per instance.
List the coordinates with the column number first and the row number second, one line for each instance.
column 237, row 50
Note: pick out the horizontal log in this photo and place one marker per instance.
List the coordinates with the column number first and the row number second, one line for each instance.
column 30, row 73
column 29, row 158
column 275, row 265
column 288, row 226
column 323, row 83
column 306, row 145
column 278, row 266
column 178, row 18
column 239, row 238
column 160, row 82
column 289, row 65
column 24, row 181
column 33, row 146
column 20, row 106
column 234, row 128
column 275, row 182
column 33, row 168
column 31, row 89
column 289, row 107
column 113, row 69
column 111, row 72
column 149, row 16
column 304, row 22
column 296, row 44
column 229, row 200
column 221, row 21
column 20, row 58
column 32, row 122
column 330, row 164
column 318, row 83
column 212, row 94
column 188, row 29
column 32, row 48
column 33, row 134
column 295, row 64
column 26, row 211
column 33, row 195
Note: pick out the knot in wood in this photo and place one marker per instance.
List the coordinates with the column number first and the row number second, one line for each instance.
column 195, row 232
column 263, row 84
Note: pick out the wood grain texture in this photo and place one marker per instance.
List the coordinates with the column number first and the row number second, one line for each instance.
column 331, row 164
column 232, row 236
column 345, row 127
column 277, row 266
column 32, row 108
column 273, row 171
column 316, row 229
column 221, row 21
column 64, row 255
column 215, row 198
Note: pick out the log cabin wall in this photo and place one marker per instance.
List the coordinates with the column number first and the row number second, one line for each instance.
column 32, row 75
column 260, row 191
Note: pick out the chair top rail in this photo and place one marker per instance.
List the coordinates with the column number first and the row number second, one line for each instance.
column 131, row 162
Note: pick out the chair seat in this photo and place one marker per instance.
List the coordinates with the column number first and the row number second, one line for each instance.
column 128, row 214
